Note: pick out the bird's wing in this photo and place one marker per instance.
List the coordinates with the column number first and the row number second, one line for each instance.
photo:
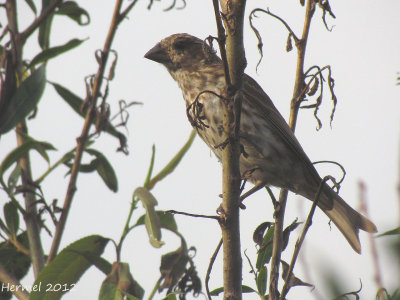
column 257, row 98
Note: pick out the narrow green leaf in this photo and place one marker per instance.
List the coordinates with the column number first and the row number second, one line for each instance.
column 120, row 283
column 395, row 231
column 100, row 263
column 245, row 289
column 170, row 167
column 32, row 6
column 67, row 268
column 171, row 296
column 150, row 171
column 265, row 252
column 262, row 280
column 13, row 178
column 105, row 170
column 49, row 53
column 21, row 151
column 40, row 147
column 24, row 100
column 12, row 218
column 73, row 11
column 45, row 27
column 75, row 102
column 152, row 221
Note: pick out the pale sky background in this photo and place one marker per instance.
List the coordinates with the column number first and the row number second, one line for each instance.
column 364, row 52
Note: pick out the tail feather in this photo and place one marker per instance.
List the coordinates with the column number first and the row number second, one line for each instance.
column 348, row 221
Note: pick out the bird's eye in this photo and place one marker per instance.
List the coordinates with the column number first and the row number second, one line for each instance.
column 180, row 45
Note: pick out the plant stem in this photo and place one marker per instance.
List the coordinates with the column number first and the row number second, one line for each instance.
column 31, row 215
column 82, row 139
column 294, row 109
column 233, row 12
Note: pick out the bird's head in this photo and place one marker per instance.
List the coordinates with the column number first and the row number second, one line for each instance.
column 182, row 51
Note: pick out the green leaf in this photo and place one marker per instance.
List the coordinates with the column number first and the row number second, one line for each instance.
column 100, row 263
column 68, row 267
column 12, row 218
column 152, row 221
column 105, row 170
column 150, row 171
column 13, row 178
column 49, row 53
column 265, row 252
column 21, row 151
column 167, row 220
column 262, row 280
column 32, row 6
column 171, row 296
column 170, row 167
column 120, row 283
column 15, row 262
column 24, row 100
column 45, row 26
column 73, row 11
column 40, row 147
column 395, row 231
column 245, row 289
column 75, row 102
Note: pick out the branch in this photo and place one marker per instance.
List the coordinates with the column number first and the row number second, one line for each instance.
column 300, row 241
column 82, row 139
column 31, row 216
column 35, row 24
column 221, row 41
column 294, row 109
column 10, row 281
column 234, row 65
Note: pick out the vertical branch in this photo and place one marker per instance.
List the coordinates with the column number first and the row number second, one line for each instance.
column 118, row 16
column 234, row 64
column 294, row 109
column 31, row 216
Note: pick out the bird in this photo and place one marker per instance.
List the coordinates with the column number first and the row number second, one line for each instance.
column 271, row 154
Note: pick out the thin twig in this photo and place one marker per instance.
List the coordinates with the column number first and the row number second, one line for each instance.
column 127, row 10
column 209, row 269
column 35, row 24
column 175, row 212
column 81, row 141
column 335, row 163
column 300, row 241
column 221, row 41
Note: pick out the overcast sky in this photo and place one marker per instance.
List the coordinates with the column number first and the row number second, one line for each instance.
column 362, row 49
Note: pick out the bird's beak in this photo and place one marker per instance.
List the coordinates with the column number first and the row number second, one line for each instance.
column 158, row 54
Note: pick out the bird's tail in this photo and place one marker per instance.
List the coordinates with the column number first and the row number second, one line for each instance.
column 348, row 220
